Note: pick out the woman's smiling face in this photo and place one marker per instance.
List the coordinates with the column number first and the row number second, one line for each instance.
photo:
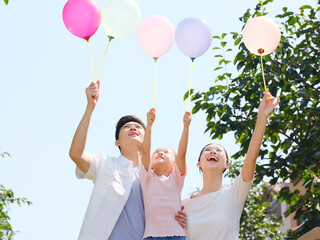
column 213, row 156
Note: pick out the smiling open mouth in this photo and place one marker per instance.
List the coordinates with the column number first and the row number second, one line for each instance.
column 212, row 158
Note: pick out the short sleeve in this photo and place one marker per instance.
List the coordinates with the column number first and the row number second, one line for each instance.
column 97, row 161
column 178, row 176
column 241, row 189
column 144, row 175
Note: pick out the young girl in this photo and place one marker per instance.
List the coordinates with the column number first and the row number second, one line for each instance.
column 162, row 179
column 215, row 211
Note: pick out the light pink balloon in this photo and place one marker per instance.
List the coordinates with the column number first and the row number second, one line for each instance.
column 261, row 35
column 155, row 35
column 81, row 17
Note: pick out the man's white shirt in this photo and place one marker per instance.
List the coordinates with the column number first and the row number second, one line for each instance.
column 112, row 177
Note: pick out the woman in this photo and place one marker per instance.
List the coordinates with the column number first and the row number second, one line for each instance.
column 214, row 212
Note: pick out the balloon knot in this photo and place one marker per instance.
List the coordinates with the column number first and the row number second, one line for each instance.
column 192, row 59
column 155, row 59
column 86, row 38
column 110, row 38
column 260, row 50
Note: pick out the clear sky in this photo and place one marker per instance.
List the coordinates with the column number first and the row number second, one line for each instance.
column 44, row 71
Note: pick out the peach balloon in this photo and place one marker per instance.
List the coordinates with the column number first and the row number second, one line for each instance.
column 155, row 35
column 261, row 35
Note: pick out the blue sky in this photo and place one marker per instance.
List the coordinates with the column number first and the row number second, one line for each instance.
column 44, row 71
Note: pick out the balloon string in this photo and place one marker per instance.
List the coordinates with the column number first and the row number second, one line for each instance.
column 91, row 60
column 155, row 81
column 104, row 57
column 264, row 80
column 190, row 86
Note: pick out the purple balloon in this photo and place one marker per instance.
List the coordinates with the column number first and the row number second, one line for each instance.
column 193, row 37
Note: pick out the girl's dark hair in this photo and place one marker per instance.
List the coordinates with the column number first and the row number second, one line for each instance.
column 214, row 144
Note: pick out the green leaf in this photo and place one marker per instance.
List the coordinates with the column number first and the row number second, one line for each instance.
column 306, row 7
column 196, row 96
column 223, row 44
column 304, row 103
column 292, row 20
column 237, row 41
column 4, row 153
column 223, row 35
column 286, row 14
column 6, row 2
column 186, row 95
column 196, row 108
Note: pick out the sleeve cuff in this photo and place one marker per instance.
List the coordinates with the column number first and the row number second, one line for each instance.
column 96, row 162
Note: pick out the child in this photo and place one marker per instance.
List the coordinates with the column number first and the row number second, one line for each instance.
column 162, row 179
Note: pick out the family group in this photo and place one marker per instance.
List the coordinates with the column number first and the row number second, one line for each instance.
column 137, row 195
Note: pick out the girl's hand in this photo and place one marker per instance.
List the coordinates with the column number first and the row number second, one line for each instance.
column 187, row 119
column 267, row 104
column 151, row 116
column 181, row 217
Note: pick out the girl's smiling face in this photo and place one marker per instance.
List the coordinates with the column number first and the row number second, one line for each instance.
column 163, row 159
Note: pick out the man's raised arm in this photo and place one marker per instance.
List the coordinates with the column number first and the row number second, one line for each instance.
column 76, row 152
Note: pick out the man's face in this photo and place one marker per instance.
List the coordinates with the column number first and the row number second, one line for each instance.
column 130, row 133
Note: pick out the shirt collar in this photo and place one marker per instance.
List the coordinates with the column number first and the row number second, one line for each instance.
column 124, row 161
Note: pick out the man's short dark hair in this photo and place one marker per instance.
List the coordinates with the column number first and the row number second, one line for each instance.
column 122, row 121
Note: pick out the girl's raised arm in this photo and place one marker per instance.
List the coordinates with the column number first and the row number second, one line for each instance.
column 146, row 145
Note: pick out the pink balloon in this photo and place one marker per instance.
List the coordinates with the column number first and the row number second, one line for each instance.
column 81, row 17
column 261, row 35
column 156, row 35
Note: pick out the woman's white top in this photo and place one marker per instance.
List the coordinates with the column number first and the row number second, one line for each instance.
column 216, row 215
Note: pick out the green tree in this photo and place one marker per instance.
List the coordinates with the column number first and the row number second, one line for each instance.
column 257, row 221
column 7, row 198
column 290, row 149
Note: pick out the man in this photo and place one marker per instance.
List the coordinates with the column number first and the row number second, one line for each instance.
column 115, row 210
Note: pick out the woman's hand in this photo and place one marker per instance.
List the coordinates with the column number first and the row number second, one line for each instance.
column 181, row 217
column 187, row 119
column 267, row 104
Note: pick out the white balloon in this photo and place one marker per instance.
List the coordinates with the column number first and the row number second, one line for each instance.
column 261, row 35
column 120, row 17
